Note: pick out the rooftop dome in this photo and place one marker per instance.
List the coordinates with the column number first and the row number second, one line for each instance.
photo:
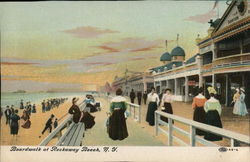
column 177, row 51
column 165, row 57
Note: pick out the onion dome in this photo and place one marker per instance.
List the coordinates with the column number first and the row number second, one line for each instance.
column 165, row 57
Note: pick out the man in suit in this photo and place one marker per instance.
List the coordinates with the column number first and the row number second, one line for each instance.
column 132, row 96
column 7, row 113
column 139, row 95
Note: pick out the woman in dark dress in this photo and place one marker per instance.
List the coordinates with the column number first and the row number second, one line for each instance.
column 153, row 100
column 167, row 99
column 26, row 120
column 199, row 114
column 212, row 108
column 14, row 125
column 81, row 116
column 117, row 127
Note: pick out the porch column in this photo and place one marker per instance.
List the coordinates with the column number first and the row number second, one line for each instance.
column 213, row 80
column 144, row 84
column 200, row 80
column 226, row 103
column 186, row 89
column 175, row 86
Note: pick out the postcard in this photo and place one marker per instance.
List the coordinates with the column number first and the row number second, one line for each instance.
column 125, row 81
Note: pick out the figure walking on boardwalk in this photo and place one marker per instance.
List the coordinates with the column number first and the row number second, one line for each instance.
column 239, row 102
column 153, row 99
column 236, row 100
column 81, row 116
column 167, row 99
column 213, row 111
column 132, row 96
column 139, row 95
column 117, row 127
column 199, row 112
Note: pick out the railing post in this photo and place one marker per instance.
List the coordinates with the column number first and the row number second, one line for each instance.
column 156, row 123
column 192, row 135
column 170, row 129
column 134, row 111
column 232, row 142
column 59, row 134
column 139, row 116
column 130, row 111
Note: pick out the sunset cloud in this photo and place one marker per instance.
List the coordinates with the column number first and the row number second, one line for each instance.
column 202, row 18
column 131, row 45
column 17, row 63
column 88, row 32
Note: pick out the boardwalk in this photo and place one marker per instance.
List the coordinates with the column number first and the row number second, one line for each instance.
column 138, row 136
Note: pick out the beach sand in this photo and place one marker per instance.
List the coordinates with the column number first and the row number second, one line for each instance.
column 31, row 136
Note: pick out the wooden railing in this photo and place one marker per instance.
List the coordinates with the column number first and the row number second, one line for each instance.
column 193, row 125
column 231, row 59
column 134, row 110
column 58, row 130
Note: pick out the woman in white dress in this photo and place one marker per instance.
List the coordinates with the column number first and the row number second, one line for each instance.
column 236, row 100
column 242, row 104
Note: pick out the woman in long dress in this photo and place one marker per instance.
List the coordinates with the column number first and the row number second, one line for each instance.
column 81, row 116
column 14, row 125
column 213, row 111
column 25, row 120
column 242, row 104
column 117, row 127
column 167, row 99
column 199, row 112
column 236, row 100
column 153, row 100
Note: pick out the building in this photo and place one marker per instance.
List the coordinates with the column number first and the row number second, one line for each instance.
column 137, row 81
column 226, row 52
column 180, row 75
column 223, row 60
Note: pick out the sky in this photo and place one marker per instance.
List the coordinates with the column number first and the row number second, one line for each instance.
column 70, row 45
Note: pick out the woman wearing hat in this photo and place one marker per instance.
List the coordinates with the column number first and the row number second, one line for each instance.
column 236, row 100
column 199, row 113
column 167, row 99
column 212, row 108
column 154, row 100
column 242, row 105
column 81, row 116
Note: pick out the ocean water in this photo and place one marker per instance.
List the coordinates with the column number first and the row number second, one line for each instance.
column 15, row 98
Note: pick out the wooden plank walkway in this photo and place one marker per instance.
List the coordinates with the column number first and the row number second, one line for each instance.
column 98, row 134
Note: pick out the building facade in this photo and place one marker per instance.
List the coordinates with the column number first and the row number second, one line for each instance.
column 223, row 60
column 226, row 53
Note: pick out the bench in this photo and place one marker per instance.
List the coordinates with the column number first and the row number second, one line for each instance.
column 73, row 136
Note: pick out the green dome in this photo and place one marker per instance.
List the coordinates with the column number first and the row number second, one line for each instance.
column 177, row 51
column 165, row 57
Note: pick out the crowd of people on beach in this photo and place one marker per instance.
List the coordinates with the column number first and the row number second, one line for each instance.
column 14, row 120
column 52, row 103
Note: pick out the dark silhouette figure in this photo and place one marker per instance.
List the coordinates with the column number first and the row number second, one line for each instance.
column 132, row 96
